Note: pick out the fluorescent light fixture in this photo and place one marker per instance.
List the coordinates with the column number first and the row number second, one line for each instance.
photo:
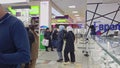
column 74, row 11
column 77, row 15
column 72, row 6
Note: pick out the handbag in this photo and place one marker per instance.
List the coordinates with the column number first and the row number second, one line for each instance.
column 45, row 42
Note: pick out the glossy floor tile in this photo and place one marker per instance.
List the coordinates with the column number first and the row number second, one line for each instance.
column 48, row 59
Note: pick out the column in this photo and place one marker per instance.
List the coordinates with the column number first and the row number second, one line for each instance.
column 45, row 13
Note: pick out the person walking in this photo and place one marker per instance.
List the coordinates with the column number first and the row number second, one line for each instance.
column 69, row 46
column 93, row 31
column 14, row 43
column 60, row 42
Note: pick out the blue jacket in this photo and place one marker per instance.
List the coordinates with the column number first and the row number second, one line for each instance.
column 14, row 44
column 60, row 41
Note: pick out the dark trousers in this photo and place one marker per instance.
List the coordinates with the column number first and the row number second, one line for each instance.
column 72, row 56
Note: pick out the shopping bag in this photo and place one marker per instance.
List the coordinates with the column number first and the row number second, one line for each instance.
column 45, row 42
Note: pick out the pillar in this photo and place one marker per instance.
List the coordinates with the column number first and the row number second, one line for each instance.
column 45, row 13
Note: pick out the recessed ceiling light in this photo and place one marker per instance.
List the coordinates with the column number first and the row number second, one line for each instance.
column 72, row 6
column 74, row 11
column 77, row 15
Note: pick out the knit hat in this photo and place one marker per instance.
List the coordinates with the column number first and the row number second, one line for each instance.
column 69, row 28
column 61, row 27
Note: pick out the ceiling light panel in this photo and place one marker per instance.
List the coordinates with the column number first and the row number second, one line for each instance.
column 72, row 6
column 74, row 11
column 77, row 15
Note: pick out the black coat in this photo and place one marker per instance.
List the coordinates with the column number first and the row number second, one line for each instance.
column 70, row 38
column 47, row 35
column 55, row 35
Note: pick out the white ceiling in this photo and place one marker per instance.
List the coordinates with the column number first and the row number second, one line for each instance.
column 103, row 1
column 80, row 7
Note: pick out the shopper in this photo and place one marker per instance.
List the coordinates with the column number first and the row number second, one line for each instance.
column 31, row 41
column 54, row 37
column 34, row 49
column 60, row 43
column 14, row 44
column 69, row 46
column 93, row 31
column 47, row 35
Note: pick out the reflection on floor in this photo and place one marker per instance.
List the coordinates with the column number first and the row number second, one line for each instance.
column 48, row 59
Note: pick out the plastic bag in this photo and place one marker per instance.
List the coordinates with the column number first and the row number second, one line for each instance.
column 45, row 42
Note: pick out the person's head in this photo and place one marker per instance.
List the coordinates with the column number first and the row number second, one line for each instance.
column 92, row 26
column 31, row 27
column 2, row 11
column 47, row 29
column 61, row 27
column 69, row 28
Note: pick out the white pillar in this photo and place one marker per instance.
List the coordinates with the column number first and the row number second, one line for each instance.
column 45, row 13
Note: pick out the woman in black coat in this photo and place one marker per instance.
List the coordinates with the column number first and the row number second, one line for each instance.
column 47, row 35
column 69, row 46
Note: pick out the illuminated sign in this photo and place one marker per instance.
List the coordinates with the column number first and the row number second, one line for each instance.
column 34, row 10
column 106, row 27
column 13, row 1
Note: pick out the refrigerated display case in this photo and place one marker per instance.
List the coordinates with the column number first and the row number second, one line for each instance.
column 106, row 52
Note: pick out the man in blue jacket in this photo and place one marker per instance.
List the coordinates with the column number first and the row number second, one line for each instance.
column 14, row 44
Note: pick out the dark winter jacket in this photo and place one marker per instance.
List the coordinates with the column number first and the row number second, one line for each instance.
column 93, row 30
column 31, row 37
column 60, row 41
column 70, row 38
column 55, row 35
column 47, row 35
column 14, row 44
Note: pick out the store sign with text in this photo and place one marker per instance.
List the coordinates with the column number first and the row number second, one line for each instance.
column 106, row 27
column 13, row 1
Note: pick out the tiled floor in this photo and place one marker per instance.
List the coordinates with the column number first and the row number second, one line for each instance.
column 48, row 59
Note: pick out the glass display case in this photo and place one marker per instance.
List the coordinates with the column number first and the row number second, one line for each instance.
column 106, row 52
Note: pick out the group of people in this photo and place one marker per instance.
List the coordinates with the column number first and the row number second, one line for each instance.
column 17, row 44
column 58, row 38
